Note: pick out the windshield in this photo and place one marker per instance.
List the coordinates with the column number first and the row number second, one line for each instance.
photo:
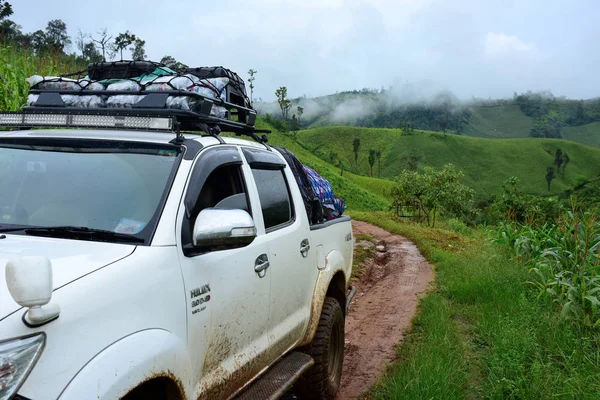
column 112, row 186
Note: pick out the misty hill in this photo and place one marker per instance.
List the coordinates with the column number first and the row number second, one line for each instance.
column 485, row 162
column 361, row 193
column 428, row 108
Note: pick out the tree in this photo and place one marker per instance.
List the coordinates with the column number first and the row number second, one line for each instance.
column 550, row 176
column 566, row 160
column 138, row 52
column 5, row 9
column 435, row 190
column 38, row 41
column 81, row 41
column 378, row 155
column 411, row 160
column 10, row 31
column 558, row 159
column 335, row 160
column 56, row 35
column 284, row 103
column 103, row 41
column 356, row 148
column 91, row 53
column 372, row 157
column 123, row 40
column 300, row 112
column 172, row 63
column 251, row 72
column 294, row 126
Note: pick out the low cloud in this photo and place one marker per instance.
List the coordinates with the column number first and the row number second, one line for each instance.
column 501, row 45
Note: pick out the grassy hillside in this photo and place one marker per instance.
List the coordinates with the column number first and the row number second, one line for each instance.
column 490, row 119
column 587, row 134
column 508, row 121
column 485, row 162
column 359, row 192
column 499, row 122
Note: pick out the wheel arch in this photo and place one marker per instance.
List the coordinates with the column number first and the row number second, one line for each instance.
column 337, row 289
column 331, row 281
column 160, row 386
column 148, row 357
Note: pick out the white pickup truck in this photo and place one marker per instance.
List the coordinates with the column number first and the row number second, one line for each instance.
column 143, row 265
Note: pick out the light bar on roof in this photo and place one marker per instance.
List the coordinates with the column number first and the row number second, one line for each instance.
column 86, row 121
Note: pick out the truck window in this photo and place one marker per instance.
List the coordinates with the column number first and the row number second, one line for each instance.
column 224, row 188
column 274, row 197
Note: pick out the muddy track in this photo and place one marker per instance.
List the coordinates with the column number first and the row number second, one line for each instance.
column 385, row 302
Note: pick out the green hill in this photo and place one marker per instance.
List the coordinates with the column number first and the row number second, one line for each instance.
column 576, row 120
column 485, row 162
column 587, row 134
column 508, row 121
column 498, row 122
column 361, row 193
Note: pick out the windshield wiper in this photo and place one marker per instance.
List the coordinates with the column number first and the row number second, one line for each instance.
column 78, row 232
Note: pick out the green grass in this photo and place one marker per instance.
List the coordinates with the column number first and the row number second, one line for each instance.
column 587, row 134
column 16, row 64
column 361, row 255
column 481, row 333
column 359, row 192
column 499, row 122
column 508, row 121
column 485, row 162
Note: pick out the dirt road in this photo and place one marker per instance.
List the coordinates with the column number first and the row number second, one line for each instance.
column 386, row 300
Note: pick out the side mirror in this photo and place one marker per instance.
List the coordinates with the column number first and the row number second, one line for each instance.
column 217, row 228
column 29, row 281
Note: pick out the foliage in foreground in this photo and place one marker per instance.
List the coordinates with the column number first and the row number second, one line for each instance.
column 514, row 205
column 480, row 333
column 16, row 64
column 435, row 190
column 564, row 262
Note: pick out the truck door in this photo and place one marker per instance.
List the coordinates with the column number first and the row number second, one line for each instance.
column 292, row 262
column 227, row 299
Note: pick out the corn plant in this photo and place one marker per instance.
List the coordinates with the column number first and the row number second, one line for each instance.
column 564, row 260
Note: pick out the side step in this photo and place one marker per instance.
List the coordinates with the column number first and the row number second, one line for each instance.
column 279, row 378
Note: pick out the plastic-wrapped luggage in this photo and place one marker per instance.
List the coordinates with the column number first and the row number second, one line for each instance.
column 333, row 206
column 309, row 197
column 216, row 83
column 60, row 83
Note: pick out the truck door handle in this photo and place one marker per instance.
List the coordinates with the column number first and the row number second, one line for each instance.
column 304, row 248
column 261, row 264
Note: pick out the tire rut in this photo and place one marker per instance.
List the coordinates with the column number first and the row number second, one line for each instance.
column 385, row 303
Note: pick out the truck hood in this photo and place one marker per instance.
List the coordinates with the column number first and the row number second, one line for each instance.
column 71, row 259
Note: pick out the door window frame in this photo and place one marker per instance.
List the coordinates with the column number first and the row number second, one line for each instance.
column 258, row 159
column 205, row 164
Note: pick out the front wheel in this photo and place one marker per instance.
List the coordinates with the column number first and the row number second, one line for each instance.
column 322, row 381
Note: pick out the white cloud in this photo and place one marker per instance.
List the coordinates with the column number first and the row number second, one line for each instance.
column 500, row 45
column 317, row 47
column 310, row 3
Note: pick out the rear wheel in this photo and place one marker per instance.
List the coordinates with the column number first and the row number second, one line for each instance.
column 322, row 381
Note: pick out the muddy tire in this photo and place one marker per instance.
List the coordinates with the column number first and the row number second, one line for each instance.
column 322, row 381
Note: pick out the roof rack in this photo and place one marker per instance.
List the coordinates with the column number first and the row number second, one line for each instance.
column 51, row 105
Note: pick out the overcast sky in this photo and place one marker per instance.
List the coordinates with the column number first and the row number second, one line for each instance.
column 481, row 48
